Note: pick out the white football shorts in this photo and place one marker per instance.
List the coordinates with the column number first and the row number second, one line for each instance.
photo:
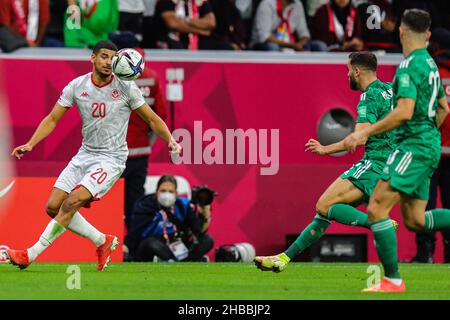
column 95, row 172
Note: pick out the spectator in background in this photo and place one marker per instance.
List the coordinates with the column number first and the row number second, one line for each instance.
column 168, row 227
column 27, row 19
column 281, row 25
column 378, row 24
column 131, row 14
column 338, row 25
column 54, row 37
column 148, row 25
column 140, row 140
column 183, row 24
column 247, row 10
column 90, row 22
column 229, row 33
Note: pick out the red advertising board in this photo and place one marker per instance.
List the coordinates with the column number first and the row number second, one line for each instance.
column 24, row 219
column 289, row 98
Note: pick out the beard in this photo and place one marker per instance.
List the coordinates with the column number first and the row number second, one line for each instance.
column 353, row 84
column 102, row 74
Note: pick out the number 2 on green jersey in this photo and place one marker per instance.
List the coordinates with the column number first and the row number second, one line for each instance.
column 433, row 79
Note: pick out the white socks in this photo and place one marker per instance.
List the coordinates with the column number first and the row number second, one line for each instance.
column 397, row 282
column 51, row 232
column 80, row 226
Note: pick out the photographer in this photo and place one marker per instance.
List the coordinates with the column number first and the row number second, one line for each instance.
column 170, row 227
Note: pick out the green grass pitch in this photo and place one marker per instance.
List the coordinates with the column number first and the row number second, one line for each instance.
column 227, row 281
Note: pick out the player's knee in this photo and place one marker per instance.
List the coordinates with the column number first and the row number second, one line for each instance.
column 372, row 212
column 322, row 208
column 52, row 209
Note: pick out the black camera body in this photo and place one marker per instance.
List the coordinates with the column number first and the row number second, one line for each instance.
column 202, row 196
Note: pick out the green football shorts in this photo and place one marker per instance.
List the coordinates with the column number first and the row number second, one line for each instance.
column 364, row 175
column 409, row 169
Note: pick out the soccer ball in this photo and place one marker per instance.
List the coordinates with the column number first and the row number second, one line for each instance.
column 128, row 64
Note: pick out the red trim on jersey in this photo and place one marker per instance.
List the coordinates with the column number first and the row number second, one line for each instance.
column 103, row 85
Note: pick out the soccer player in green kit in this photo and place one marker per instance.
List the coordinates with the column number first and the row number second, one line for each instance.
column 420, row 107
column 356, row 184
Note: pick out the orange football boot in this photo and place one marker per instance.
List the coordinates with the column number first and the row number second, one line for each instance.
column 386, row 286
column 18, row 258
column 104, row 251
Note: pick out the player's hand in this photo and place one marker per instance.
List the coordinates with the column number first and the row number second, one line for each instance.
column 315, row 147
column 174, row 148
column 355, row 139
column 20, row 151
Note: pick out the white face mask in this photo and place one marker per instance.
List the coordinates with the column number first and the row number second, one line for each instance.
column 166, row 199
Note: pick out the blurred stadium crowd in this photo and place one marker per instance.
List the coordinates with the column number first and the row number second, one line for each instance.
column 275, row 25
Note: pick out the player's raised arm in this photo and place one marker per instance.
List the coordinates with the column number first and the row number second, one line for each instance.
column 46, row 127
column 316, row 147
column 158, row 126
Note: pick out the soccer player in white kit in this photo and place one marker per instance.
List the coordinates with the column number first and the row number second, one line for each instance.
column 105, row 104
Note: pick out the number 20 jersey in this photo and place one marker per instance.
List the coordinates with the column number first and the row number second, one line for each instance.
column 105, row 111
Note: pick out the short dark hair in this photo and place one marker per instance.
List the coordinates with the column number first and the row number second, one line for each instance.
column 417, row 20
column 167, row 178
column 364, row 59
column 105, row 44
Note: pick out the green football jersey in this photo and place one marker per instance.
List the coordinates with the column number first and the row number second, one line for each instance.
column 374, row 105
column 417, row 77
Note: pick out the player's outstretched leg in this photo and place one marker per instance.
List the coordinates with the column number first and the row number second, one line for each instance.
column 23, row 258
column 64, row 220
column 313, row 232
column 340, row 191
column 80, row 226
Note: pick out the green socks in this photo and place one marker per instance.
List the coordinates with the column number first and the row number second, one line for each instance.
column 437, row 219
column 310, row 234
column 346, row 214
column 386, row 245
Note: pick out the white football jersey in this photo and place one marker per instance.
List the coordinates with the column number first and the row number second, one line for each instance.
column 105, row 112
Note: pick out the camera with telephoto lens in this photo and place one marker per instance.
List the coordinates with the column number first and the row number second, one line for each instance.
column 202, row 196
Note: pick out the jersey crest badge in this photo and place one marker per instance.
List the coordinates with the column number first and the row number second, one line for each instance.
column 115, row 94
